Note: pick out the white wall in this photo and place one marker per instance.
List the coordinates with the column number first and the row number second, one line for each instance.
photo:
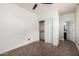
column 77, row 27
column 16, row 26
column 70, row 19
column 61, row 28
column 51, row 16
column 52, row 26
column 55, row 27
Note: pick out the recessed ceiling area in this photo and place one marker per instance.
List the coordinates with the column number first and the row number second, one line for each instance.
column 62, row 7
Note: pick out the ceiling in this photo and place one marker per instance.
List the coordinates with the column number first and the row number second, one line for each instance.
column 62, row 7
column 66, row 7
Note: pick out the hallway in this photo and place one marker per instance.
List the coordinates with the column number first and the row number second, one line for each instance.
column 65, row 48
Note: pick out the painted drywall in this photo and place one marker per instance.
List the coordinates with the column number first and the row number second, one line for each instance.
column 55, row 27
column 51, row 16
column 61, row 28
column 16, row 26
column 69, row 18
column 77, row 27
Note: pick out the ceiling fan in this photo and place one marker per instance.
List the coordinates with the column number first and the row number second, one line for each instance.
column 34, row 7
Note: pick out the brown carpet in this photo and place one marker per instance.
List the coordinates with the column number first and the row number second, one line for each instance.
column 65, row 48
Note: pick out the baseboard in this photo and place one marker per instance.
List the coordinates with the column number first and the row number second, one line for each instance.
column 19, row 45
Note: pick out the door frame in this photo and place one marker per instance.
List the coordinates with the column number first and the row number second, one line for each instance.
column 40, row 31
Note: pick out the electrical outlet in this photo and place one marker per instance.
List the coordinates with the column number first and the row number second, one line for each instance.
column 28, row 38
column 78, row 43
column 62, row 37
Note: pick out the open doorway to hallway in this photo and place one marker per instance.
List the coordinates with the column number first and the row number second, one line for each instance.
column 67, row 26
column 65, row 31
column 68, row 30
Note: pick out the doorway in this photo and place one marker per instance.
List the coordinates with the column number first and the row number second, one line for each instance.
column 42, row 30
column 65, row 30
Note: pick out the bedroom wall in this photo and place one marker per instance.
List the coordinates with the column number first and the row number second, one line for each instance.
column 17, row 25
column 77, row 27
column 51, row 16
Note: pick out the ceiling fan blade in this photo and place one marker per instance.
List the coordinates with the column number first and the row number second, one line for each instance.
column 34, row 6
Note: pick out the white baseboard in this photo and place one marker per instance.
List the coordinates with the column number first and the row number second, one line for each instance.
column 17, row 46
